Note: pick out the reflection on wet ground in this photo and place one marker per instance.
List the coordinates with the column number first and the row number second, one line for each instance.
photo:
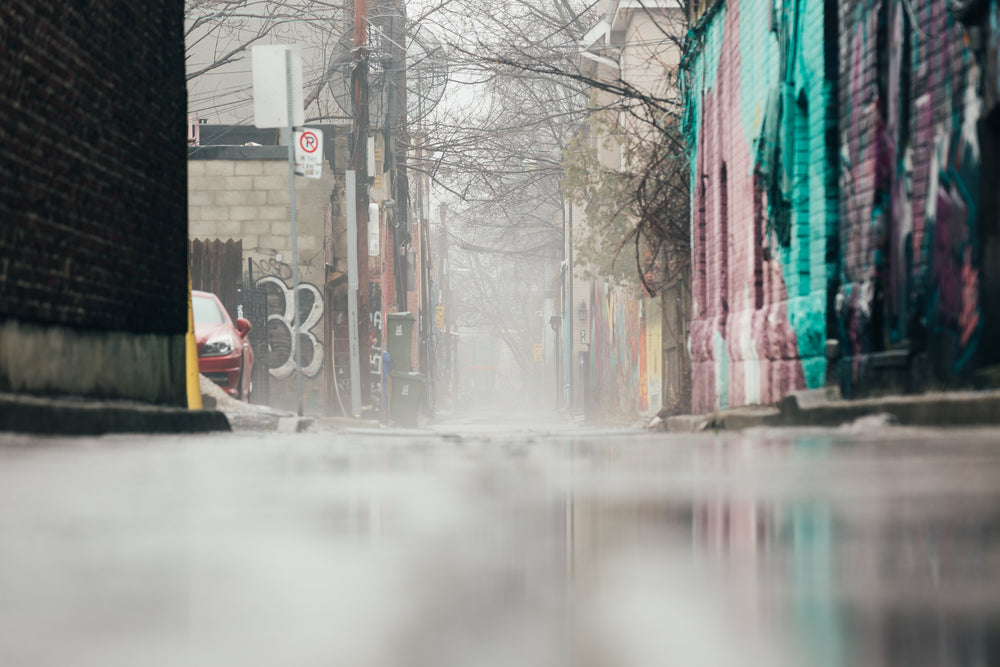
column 541, row 545
column 833, row 550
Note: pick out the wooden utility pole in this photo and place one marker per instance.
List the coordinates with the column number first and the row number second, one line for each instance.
column 359, row 163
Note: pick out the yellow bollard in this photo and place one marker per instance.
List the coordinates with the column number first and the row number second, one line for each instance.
column 193, row 384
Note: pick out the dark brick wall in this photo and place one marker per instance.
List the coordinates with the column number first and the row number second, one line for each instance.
column 93, row 187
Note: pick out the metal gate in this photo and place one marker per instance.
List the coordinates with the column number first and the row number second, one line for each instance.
column 217, row 267
column 252, row 304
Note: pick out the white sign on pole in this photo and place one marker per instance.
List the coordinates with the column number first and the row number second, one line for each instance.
column 270, row 86
column 373, row 230
column 371, row 157
column 309, row 153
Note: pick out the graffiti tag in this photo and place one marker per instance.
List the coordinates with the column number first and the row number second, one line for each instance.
column 286, row 319
column 273, row 266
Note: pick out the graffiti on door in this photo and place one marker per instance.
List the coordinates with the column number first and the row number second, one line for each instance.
column 281, row 323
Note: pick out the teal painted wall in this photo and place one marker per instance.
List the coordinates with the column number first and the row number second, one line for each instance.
column 757, row 112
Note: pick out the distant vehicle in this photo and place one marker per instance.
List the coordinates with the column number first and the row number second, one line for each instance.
column 224, row 353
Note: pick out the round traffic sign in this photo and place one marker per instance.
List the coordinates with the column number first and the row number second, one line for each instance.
column 309, row 142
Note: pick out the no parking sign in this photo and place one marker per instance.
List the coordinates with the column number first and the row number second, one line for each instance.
column 309, row 153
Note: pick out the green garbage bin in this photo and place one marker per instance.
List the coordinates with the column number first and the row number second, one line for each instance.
column 404, row 401
column 399, row 340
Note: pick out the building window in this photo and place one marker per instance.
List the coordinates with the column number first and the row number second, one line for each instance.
column 759, row 240
column 701, row 256
column 723, row 240
column 803, row 228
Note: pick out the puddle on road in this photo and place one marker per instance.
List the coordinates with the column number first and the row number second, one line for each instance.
column 810, row 550
column 622, row 548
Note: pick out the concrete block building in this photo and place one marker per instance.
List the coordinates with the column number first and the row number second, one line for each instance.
column 241, row 192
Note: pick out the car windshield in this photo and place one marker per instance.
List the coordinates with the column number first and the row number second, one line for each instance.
column 206, row 311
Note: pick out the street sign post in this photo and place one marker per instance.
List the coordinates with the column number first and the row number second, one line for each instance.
column 271, row 85
column 353, row 281
column 374, row 219
column 277, row 68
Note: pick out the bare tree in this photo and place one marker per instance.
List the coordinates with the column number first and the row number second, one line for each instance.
column 499, row 164
column 219, row 35
column 495, row 152
column 557, row 85
column 644, row 199
column 499, row 297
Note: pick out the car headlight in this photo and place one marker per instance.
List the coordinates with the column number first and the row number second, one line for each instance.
column 218, row 347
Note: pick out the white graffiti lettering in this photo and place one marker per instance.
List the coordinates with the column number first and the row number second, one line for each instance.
column 287, row 319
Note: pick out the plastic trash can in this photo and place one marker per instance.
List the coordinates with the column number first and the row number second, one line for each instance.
column 399, row 340
column 407, row 392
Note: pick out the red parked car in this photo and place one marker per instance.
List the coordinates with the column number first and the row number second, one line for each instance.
column 224, row 353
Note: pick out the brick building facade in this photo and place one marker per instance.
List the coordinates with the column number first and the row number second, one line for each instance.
column 93, row 227
column 843, row 162
column 763, row 203
column 616, row 359
column 918, row 84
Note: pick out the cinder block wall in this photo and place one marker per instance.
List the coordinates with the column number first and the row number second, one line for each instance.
column 248, row 199
column 757, row 114
column 93, row 226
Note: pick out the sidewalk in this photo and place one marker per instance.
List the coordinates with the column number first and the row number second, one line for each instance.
column 70, row 416
column 254, row 417
column 73, row 416
column 822, row 407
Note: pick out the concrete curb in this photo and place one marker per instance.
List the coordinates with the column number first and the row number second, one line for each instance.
column 724, row 420
column 66, row 416
column 822, row 407
column 940, row 409
column 347, row 423
column 687, row 423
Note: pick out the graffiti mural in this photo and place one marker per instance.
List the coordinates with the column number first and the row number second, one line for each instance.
column 867, row 141
column 618, row 374
column 910, row 188
column 281, row 324
column 758, row 90
column 848, row 206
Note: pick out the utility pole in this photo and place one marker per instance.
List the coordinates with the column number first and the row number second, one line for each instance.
column 448, row 334
column 392, row 21
column 359, row 164
column 290, row 130
column 568, row 328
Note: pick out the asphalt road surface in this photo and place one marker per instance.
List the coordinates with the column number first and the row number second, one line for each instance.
column 502, row 540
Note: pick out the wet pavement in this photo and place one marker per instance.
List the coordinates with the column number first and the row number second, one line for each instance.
column 503, row 540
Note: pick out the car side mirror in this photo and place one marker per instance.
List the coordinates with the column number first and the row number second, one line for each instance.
column 243, row 326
